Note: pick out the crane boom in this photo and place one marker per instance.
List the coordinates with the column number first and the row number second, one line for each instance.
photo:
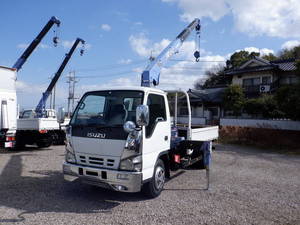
column 42, row 103
column 152, row 72
column 18, row 65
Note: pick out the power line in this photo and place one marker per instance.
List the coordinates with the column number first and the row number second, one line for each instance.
column 112, row 66
column 185, row 60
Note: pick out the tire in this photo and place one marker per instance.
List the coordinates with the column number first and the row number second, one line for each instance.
column 44, row 142
column 154, row 187
column 200, row 164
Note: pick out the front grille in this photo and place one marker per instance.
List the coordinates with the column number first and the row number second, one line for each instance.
column 97, row 161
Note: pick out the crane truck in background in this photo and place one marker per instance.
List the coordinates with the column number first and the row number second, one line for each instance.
column 125, row 138
column 40, row 126
column 8, row 96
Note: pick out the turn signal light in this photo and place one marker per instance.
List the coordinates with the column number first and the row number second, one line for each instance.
column 43, row 131
column 10, row 138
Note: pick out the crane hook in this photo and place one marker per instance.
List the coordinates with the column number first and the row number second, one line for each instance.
column 55, row 41
column 197, row 55
column 56, row 38
column 82, row 48
column 81, row 52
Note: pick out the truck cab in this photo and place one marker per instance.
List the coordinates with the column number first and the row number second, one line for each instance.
column 121, row 139
column 100, row 150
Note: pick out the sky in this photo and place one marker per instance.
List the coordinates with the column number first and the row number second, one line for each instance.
column 121, row 35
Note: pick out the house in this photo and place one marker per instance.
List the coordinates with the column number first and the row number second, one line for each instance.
column 205, row 104
column 258, row 75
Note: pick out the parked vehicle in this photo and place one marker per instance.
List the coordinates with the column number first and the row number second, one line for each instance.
column 8, row 96
column 125, row 138
column 40, row 126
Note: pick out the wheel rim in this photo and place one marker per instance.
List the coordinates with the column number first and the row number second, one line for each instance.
column 159, row 178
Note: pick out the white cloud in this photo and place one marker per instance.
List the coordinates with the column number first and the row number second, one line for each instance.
column 23, row 46
column 181, row 70
column 144, row 47
column 290, row 44
column 29, row 94
column 262, row 51
column 68, row 44
column 105, row 27
column 118, row 82
column 254, row 17
column 139, row 43
column 125, row 61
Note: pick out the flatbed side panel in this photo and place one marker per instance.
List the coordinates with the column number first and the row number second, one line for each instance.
column 37, row 124
column 205, row 134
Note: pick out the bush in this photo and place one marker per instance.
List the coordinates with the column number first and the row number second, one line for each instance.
column 234, row 99
column 288, row 100
column 265, row 106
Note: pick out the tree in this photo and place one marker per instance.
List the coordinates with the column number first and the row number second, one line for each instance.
column 298, row 68
column 238, row 58
column 288, row 100
column 270, row 57
column 234, row 99
column 290, row 53
column 216, row 78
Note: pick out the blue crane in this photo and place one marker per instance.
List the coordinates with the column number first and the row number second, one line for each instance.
column 53, row 20
column 40, row 108
column 150, row 75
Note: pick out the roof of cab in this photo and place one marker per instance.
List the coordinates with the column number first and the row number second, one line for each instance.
column 132, row 88
column 8, row 68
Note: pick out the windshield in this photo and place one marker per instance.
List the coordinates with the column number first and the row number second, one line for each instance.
column 27, row 114
column 107, row 108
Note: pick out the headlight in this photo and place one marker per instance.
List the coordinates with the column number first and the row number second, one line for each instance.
column 70, row 157
column 132, row 164
column 69, row 154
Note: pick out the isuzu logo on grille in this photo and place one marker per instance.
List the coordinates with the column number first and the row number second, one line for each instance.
column 95, row 135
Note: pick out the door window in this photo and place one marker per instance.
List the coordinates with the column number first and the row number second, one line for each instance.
column 157, row 112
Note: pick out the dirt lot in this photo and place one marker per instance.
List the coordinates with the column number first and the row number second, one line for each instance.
column 249, row 186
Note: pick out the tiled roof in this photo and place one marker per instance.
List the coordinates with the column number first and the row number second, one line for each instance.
column 213, row 95
column 251, row 69
column 283, row 65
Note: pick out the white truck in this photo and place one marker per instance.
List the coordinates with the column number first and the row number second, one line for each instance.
column 100, row 152
column 40, row 131
column 124, row 138
column 40, row 126
column 8, row 96
column 8, row 106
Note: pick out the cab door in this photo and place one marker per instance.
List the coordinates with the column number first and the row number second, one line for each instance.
column 157, row 134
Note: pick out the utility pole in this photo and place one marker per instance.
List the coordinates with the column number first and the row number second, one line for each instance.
column 52, row 96
column 72, row 81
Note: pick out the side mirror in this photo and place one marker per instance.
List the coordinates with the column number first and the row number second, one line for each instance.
column 60, row 115
column 142, row 115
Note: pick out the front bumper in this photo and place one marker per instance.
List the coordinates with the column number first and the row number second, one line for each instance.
column 113, row 179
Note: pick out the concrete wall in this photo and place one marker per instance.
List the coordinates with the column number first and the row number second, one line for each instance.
column 269, row 124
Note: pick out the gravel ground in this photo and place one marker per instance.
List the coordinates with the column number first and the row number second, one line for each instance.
column 248, row 186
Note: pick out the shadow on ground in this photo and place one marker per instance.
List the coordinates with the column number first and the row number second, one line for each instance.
column 28, row 148
column 46, row 191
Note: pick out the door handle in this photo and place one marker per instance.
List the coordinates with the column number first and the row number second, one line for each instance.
column 166, row 138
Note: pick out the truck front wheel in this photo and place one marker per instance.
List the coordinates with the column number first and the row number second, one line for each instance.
column 154, row 187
